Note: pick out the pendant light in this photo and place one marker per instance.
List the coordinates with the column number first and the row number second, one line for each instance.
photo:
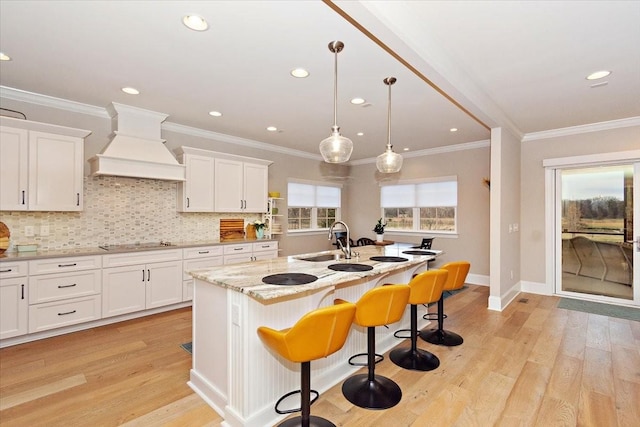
column 336, row 148
column 389, row 162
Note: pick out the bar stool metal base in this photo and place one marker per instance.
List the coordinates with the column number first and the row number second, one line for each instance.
column 415, row 360
column 379, row 393
column 313, row 422
column 441, row 337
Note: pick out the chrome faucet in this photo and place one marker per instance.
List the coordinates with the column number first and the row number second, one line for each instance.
column 347, row 249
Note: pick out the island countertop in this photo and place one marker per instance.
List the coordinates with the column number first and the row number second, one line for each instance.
column 246, row 278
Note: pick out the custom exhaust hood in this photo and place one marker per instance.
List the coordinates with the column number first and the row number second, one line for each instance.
column 136, row 149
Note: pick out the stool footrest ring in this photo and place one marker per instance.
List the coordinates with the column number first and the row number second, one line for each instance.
column 379, row 358
column 433, row 316
column 291, row 393
column 401, row 331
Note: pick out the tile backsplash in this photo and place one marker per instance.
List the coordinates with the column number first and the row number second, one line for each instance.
column 118, row 210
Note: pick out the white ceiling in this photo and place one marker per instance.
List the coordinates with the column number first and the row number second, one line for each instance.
column 517, row 64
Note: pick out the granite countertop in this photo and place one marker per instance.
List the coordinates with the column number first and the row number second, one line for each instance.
column 59, row 253
column 248, row 280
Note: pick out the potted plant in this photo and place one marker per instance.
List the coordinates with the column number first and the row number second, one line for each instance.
column 259, row 226
column 379, row 230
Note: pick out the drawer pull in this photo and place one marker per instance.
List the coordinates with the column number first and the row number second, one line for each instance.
column 265, row 246
column 68, row 312
column 203, row 252
column 66, row 286
column 67, row 265
column 238, row 249
column 8, row 270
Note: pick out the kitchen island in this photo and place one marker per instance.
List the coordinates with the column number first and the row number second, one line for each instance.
column 234, row 372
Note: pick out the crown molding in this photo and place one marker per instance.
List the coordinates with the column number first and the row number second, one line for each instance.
column 230, row 139
column 431, row 151
column 77, row 107
column 576, row 130
column 52, row 102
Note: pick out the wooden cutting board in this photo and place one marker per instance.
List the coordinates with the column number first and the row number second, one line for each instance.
column 231, row 229
column 4, row 237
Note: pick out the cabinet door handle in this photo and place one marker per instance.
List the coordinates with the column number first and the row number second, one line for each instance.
column 23, row 197
column 240, row 203
column 68, row 312
column 203, row 252
column 21, row 291
column 67, row 265
column 66, row 286
column 6, row 271
column 188, row 202
column 143, row 274
column 148, row 275
column 77, row 199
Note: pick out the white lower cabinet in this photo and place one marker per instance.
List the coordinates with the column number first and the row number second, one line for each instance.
column 265, row 250
column 197, row 259
column 14, row 303
column 247, row 252
column 140, row 281
column 64, row 292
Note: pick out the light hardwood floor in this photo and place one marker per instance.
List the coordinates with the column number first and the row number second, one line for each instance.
column 530, row 365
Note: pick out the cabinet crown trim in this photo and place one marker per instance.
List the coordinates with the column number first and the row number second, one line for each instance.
column 218, row 155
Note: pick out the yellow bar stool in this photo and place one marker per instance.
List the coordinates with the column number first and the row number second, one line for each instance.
column 426, row 288
column 317, row 334
column 458, row 271
column 378, row 306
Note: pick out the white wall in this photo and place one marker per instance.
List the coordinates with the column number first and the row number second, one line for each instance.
column 470, row 166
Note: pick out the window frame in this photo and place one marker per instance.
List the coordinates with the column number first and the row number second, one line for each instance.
column 314, row 209
column 415, row 210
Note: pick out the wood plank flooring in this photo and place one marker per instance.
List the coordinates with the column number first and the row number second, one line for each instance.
column 531, row 365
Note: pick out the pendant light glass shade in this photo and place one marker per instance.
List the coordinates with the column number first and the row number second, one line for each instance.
column 336, row 148
column 389, row 162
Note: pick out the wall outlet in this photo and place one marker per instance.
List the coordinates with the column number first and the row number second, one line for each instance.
column 29, row 231
column 44, row 230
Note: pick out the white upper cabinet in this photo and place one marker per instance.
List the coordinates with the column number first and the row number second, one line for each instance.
column 14, row 161
column 196, row 193
column 220, row 182
column 41, row 166
column 240, row 186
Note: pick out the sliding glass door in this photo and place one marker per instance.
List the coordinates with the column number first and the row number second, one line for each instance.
column 598, row 232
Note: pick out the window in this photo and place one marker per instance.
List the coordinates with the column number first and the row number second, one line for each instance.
column 423, row 206
column 312, row 207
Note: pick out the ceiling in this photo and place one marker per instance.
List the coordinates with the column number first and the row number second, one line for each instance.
column 516, row 64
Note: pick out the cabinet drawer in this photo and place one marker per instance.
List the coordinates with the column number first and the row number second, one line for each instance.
column 13, row 269
column 199, row 264
column 236, row 259
column 56, row 287
column 200, row 252
column 265, row 246
column 238, row 249
column 133, row 258
column 59, row 265
column 63, row 313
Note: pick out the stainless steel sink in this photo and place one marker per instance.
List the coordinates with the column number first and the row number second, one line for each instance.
column 319, row 258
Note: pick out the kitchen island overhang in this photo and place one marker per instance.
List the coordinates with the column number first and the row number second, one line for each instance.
column 234, row 372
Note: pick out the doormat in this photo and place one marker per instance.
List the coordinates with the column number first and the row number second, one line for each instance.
column 188, row 347
column 610, row 310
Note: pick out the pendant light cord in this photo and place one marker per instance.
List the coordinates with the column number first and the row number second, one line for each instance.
column 335, row 88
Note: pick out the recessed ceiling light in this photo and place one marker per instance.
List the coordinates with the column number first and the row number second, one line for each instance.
column 405, row 149
column 4, row 57
column 195, row 22
column 453, row 130
column 360, row 133
column 215, row 113
column 131, row 90
column 358, row 101
column 300, row 73
column 272, row 128
column 598, row 75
